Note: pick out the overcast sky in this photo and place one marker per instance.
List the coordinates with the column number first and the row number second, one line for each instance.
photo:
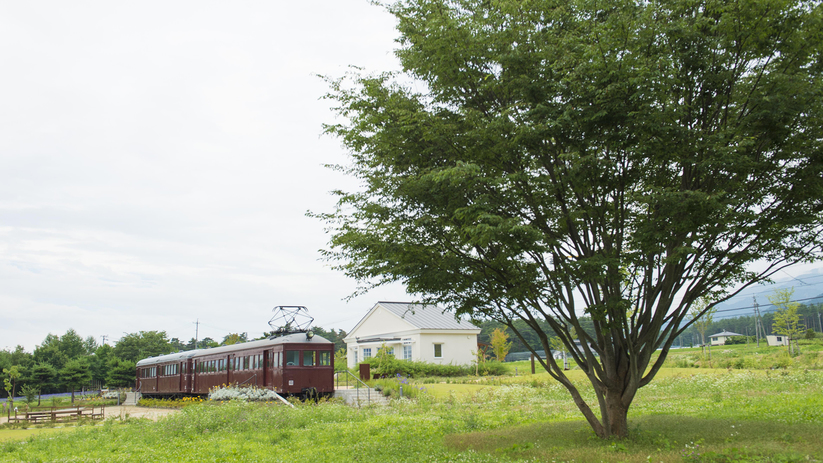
column 157, row 160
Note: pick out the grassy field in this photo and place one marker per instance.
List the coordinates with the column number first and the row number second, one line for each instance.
column 22, row 434
column 682, row 416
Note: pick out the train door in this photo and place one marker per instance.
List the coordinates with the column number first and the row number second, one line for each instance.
column 187, row 376
column 266, row 357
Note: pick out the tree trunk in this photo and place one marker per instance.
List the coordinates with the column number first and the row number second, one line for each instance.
column 616, row 417
column 614, row 409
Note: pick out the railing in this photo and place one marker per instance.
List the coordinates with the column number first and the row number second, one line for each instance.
column 253, row 377
column 357, row 384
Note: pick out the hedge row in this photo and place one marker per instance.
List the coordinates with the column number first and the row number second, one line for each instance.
column 390, row 366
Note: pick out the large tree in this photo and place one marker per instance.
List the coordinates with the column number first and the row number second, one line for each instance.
column 121, row 373
column 75, row 374
column 786, row 319
column 42, row 375
column 545, row 160
column 137, row 346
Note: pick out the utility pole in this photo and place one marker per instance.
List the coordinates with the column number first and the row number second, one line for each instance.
column 196, row 332
column 758, row 323
column 103, row 337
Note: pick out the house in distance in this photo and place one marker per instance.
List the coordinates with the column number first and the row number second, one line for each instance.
column 412, row 331
column 719, row 339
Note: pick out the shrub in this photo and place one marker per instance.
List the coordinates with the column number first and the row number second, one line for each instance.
column 30, row 392
column 491, row 369
column 250, row 393
column 169, row 403
column 390, row 387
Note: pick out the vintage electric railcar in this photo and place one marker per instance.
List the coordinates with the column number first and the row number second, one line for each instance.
column 296, row 364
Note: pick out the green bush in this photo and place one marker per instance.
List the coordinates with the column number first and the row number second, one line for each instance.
column 388, row 366
column 390, row 387
column 491, row 368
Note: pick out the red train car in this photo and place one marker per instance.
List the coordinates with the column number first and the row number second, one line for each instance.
column 295, row 364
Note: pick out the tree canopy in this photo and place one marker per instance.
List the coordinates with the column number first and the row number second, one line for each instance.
column 137, row 346
column 539, row 161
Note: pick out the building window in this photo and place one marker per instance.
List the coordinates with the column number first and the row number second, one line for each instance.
column 407, row 353
column 438, row 351
column 355, row 356
column 366, row 353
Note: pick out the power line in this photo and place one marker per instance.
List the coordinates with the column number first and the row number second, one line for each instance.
column 765, row 305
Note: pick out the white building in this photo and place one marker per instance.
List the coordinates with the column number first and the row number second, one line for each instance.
column 777, row 340
column 412, row 332
column 719, row 339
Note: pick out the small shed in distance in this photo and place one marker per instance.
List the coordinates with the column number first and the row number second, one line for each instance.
column 412, row 331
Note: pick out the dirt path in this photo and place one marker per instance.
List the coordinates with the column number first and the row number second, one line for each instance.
column 130, row 410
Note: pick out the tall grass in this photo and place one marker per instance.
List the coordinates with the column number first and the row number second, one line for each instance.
column 744, row 415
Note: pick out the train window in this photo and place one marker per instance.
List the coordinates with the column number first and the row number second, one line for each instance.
column 324, row 359
column 278, row 357
column 292, row 358
column 259, row 360
column 308, row 358
column 222, row 364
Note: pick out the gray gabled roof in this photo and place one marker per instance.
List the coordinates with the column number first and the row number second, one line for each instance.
column 427, row 317
column 725, row 334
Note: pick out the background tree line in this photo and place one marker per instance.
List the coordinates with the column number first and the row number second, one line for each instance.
column 691, row 337
column 70, row 362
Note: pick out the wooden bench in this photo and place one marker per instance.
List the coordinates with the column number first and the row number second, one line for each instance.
column 65, row 414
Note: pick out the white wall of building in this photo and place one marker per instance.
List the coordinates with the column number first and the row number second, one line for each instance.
column 457, row 346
